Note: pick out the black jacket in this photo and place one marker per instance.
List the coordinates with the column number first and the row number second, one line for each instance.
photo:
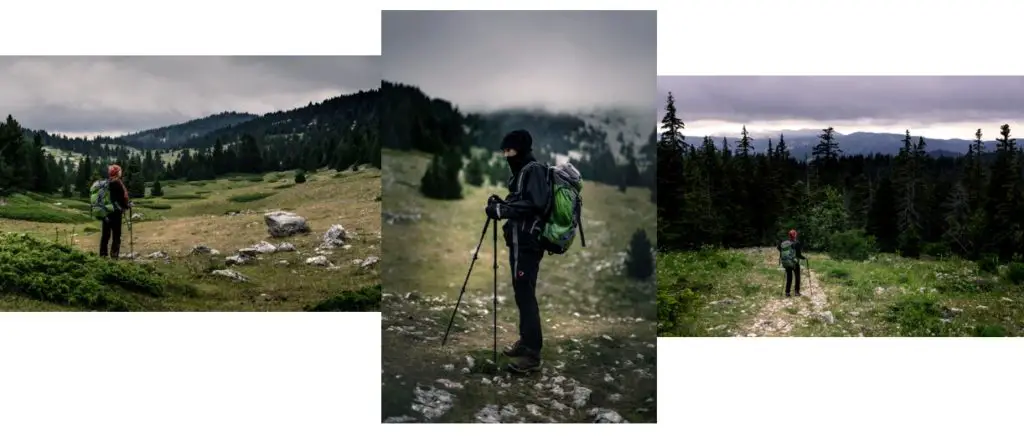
column 525, row 205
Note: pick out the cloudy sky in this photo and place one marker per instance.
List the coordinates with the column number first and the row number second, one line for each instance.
column 558, row 60
column 936, row 107
column 89, row 95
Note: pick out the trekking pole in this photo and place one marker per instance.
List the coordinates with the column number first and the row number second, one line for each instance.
column 476, row 254
column 131, row 234
column 495, row 232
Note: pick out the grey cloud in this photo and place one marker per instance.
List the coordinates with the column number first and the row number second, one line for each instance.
column 130, row 93
column 839, row 99
column 559, row 60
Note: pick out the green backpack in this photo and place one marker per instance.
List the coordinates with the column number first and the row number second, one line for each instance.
column 788, row 254
column 99, row 199
column 564, row 211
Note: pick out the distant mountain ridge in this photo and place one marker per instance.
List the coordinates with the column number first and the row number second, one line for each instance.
column 801, row 142
column 177, row 134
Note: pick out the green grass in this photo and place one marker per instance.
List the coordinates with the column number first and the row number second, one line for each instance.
column 248, row 198
column 363, row 300
column 42, row 209
column 182, row 197
column 882, row 297
column 583, row 297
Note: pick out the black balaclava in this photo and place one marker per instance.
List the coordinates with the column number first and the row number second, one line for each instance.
column 520, row 141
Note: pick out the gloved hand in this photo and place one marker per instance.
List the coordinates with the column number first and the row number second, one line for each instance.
column 494, row 199
column 493, row 211
column 131, row 204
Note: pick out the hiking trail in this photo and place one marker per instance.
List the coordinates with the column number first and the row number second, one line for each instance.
column 779, row 314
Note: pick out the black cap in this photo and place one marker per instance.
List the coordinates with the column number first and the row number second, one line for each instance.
column 518, row 140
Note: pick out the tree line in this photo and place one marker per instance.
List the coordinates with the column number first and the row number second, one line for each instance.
column 339, row 133
column 436, row 126
column 725, row 195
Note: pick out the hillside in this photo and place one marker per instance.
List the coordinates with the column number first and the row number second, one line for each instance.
column 600, row 355
column 175, row 135
column 740, row 293
column 202, row 246
column 609, row 145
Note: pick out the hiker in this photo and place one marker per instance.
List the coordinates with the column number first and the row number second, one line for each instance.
column 109, row 201
column 523, row 209
column 790, row 257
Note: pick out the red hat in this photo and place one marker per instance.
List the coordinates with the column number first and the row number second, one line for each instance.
column 114, row 171
column 792, row 234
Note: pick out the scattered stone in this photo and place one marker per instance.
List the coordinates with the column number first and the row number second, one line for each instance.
column 264, row 247
column 231, row 274
column 281, row 224
column 282, row 262
column 157, row 255
column 399, row 419
column 239, row 259
column 489, row 415
column 581, row 396
column 334, row 237
column 606, row 416
column 370, row 261
column 137, row 217
column 827, row 317
column 285, row 246
column 202, row 250
column 431, row 402
column 398, row 217
column 449, row 384
column 318, row 261
column 249, row 252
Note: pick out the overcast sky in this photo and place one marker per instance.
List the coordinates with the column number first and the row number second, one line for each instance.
column 558, row 60
column 932, row 106
column 89, row 95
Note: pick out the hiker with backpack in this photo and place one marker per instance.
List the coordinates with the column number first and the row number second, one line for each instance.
column 542, row 213
column 109, row 200
column 790, row 256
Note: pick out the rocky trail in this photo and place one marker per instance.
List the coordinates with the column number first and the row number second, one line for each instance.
column 596, row 368
column 779, row 315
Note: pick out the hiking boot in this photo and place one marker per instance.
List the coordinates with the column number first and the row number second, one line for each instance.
column 787, row 295
column 797, row 293
column 526, row 363
column 514, row 350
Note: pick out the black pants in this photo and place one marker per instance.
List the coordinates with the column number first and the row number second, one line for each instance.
column 525, row 263
column 790, row 273
column 111, row 229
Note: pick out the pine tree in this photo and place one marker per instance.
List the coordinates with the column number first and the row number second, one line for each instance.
column 156, row 190
column 639, row 257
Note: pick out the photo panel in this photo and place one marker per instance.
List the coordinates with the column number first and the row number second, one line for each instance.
column 862, row 206
column 190, row 183
column 519, row 216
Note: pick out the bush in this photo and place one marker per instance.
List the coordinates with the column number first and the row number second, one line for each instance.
column 851, row 245
column 364, row 300
column 60, row 274
column 300, row 177
column 247, row 198
column 639, row 258
column 1015, row 273
column 156, row 190
column 475, row 172
column 441, row 180
column 674, row 307
column 989, row 264
column 935, row 249
column 917, row 314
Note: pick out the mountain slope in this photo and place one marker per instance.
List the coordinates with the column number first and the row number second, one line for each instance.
column 177, row 134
